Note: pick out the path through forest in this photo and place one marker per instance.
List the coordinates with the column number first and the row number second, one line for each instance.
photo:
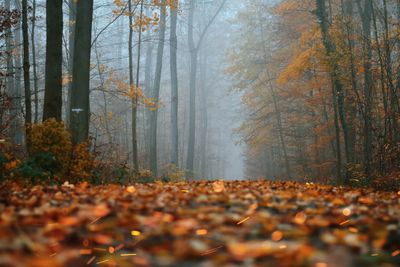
column 207, row 223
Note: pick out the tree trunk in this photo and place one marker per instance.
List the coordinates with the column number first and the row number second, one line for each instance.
column 135, row 159
column 349, row 98
column 10, row 80
column 204, row 114
column 194, row 49
column 71, row 40
column 192, row 87
column 366, row 17
column 148, row 85
column 156, row 90
column 26, row 66
column 34, row 65
column 53, row 81
column 338, row 91
column 337, row 136
column 174, row 84
column 388, row 124
column 394, row 100
column 397, row 137
column 280, row 126
column 80, row 108
column 16, row 97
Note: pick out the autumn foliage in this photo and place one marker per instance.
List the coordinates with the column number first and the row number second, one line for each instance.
column 52, row 157
column 320, row 80
column 208, row 223
column 51, row 137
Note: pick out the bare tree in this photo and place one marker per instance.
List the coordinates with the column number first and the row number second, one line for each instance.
column 135, row 159
column 34, row 63
column 174, row 83
column 26, row 66
column 156, row 90
column 194, row 50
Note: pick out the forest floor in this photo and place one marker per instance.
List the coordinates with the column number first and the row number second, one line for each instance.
column 209, row 223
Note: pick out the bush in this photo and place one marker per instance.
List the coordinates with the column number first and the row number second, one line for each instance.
column 121, row 173
column 8, row 162
column 356, row 175
column 40, row 166
column 390, row 182
column 171, row 173
column 3, row 162
column 82, row 163
column 144, row 176
column 52, row 155
column 51, row 137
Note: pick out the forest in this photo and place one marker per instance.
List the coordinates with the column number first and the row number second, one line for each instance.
column 200, row 133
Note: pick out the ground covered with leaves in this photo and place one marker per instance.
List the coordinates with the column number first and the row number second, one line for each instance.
column 209, row 223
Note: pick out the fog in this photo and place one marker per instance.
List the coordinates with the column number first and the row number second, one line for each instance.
column 110, row 119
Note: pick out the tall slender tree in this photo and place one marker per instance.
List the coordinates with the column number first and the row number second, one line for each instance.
column 71, row 41
column 174, row 83
column 16, row 96
column 194, row 50
column 148, row 85
column 134, row 85
column 34, row 63
column 365, row 10
column 338, row 91
column 10, row 81
column 26, row 67
column 156, row 90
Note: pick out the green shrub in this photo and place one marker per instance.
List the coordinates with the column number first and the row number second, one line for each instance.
column 40, row 166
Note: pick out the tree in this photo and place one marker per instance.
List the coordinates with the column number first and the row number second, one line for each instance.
column 156, row 90
column 80, row 108
column 53, row 81
column 71, row 40
column 26, row 66
column 194, row 50
column 16, row 95
column 10, row 81
column 134, row 86
column 34, row 63
column 366, row 18
column 338, row 91
column 174, row 83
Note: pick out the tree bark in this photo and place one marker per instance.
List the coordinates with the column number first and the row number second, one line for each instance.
column 394, row 100
column 71, row 41
column 349, row 98
column 204, row 114
column 10, row 81
column 34, row 64
column 338, row 91
column 148, row 85
column 135, row 159
column 156, row 90
column 53, row 81
column 366, row 17
column 192, row 92
column 80, row 108
column 16, row 97
column 26, row 67
column 280, row 125
column 174, row 84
